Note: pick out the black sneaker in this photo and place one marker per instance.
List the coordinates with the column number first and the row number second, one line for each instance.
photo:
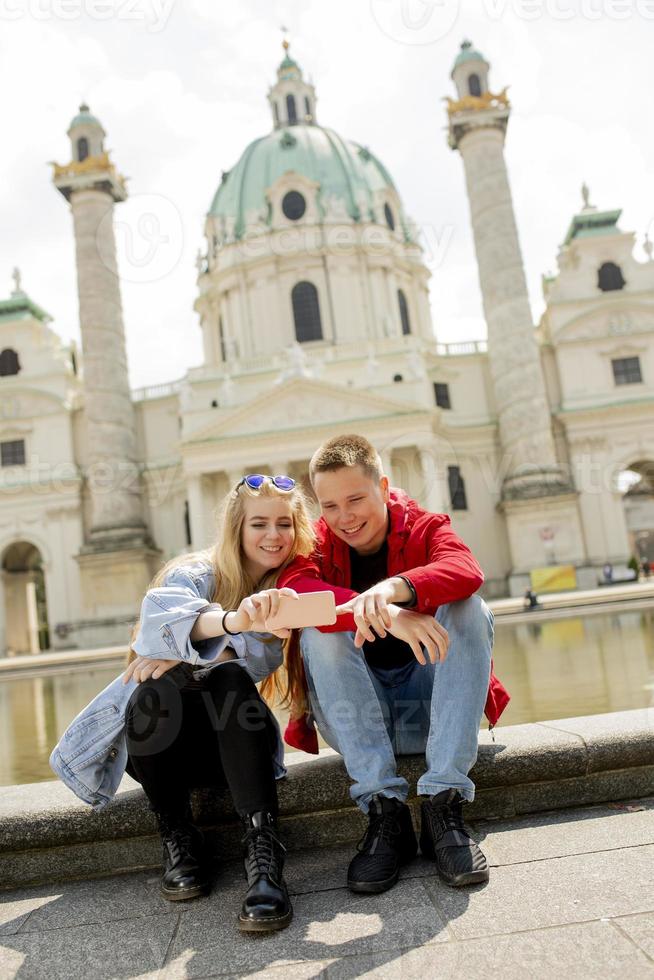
column 185, row 874
column 445, row 838
column 389, row 842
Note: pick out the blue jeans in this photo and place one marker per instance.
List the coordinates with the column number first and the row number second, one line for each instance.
column 369, row 715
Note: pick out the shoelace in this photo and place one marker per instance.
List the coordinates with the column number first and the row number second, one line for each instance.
column 447, row 817
column 179, row 844
column 382, row 827
column 262, row 858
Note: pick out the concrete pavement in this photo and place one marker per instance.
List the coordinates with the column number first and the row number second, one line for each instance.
column 571, row 894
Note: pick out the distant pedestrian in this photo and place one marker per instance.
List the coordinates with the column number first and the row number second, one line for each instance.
column 646, row 568
column 531, row 600
column 608, row 572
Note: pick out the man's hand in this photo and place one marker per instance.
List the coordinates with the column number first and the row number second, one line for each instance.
column 416, row 629
column 371, row 608
column 142, row 668
column 420, row 630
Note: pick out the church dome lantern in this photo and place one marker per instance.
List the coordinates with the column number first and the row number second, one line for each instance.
column 292, row 100
column 470, row 72
column 86, row 135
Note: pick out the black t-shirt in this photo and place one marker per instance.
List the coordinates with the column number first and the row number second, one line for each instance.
column 368, row 570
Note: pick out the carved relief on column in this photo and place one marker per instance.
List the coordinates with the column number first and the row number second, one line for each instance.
column 523, row 410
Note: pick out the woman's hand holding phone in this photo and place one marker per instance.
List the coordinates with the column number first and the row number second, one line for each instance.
column 256, row 609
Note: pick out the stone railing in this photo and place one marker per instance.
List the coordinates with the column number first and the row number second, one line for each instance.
column 315, row 355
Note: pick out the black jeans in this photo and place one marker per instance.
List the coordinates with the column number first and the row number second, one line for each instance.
column 186, row 731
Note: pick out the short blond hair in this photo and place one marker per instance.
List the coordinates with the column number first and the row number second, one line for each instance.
column 349, row 450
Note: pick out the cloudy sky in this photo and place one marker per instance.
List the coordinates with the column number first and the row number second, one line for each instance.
column 180, row 87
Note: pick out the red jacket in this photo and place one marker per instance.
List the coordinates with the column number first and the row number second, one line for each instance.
column 423, row 548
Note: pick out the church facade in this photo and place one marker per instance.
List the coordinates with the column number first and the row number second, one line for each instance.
column 313, row 303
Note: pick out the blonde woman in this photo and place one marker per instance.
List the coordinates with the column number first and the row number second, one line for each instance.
column 189, row 713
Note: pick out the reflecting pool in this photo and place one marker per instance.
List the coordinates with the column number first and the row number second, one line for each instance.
column 558, row 668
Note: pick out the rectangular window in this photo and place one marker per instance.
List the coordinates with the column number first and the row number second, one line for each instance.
column 12, row 453
column 221, row 338
column 457, row 487
column 442, row 394
column 626, row 370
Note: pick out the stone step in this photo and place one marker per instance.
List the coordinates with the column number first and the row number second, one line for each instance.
column 47, row 834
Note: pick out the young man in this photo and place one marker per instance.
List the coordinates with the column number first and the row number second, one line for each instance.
column 405, row 669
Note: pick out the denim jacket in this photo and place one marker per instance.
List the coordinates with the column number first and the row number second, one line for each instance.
column 91, row 755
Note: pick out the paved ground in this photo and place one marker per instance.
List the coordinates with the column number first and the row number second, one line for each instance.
column 571, row 894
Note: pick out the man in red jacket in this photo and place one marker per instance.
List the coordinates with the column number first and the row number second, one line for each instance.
column 405, row 669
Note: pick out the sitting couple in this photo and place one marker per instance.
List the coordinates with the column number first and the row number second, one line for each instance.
column 405, row 669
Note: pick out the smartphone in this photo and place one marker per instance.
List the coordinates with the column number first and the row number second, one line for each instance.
column 309, row 609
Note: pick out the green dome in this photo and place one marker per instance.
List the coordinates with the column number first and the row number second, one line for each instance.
column 84, row 116
column 343, row 170
column 467, row 53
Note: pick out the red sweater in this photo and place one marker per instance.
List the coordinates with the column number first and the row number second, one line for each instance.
column 423, row 548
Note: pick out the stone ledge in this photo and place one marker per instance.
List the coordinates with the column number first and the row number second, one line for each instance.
column 46, row 833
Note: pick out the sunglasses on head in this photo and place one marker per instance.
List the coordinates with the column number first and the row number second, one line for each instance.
column 256, row 480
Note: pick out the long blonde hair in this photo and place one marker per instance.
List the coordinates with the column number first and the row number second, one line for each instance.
column 232, row 582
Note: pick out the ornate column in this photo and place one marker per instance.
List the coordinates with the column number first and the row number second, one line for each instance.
column 432, row 495
column 195, row 497
column 535, row 490
column 118, row 556
column 477, row 127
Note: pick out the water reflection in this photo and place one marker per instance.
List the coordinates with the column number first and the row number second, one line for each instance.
column 579, row 666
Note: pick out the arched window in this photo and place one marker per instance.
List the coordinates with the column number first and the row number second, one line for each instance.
column 474, row 85
column 291, row 111
column 307, row 106
column 390, row 217
column 276, row 112
column 306, row 312
column 82, row 148
column 9, row 363
column 609, row 277
column 404, row 313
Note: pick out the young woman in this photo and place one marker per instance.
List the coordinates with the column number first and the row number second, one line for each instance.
column 190, row 714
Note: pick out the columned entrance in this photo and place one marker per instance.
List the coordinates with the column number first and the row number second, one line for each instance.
column 639, row 508
column 24, row 600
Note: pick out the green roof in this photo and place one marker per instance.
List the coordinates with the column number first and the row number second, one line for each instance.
column 20, row 307
column 467, row 53
column 342, row 169
column 587, row 224
column 84, row 116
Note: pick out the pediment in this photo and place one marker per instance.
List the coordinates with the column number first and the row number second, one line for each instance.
column 300, row 404
column 602, row 322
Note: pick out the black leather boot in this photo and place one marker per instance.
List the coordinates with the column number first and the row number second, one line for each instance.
column 184, row 871
column 267, row 905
